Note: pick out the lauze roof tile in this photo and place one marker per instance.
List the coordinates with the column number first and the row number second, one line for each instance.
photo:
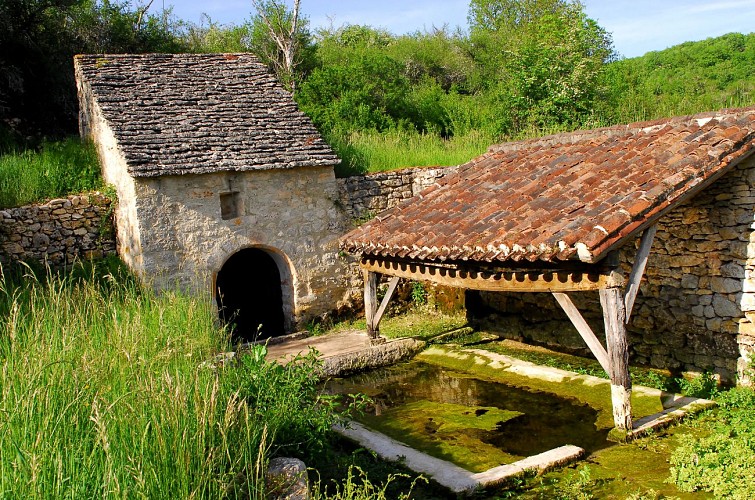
column 176, row 114
column 566, row 196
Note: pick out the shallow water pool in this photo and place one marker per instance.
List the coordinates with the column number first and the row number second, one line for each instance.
column 476, row 424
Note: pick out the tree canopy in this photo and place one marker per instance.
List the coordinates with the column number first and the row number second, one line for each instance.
column 38, row 39
column 523, row 67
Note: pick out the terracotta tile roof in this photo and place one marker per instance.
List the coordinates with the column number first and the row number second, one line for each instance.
column 567, row 196
column 197, row 113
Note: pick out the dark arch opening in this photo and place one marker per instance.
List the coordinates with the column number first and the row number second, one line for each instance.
column 250, row 296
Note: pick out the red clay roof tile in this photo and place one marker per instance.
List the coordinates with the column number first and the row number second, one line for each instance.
column 556, row 197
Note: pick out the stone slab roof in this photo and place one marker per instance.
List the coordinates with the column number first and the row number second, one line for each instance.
column 566, row 196
column 200, row 113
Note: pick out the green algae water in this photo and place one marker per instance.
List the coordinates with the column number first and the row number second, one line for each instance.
column 476, row 424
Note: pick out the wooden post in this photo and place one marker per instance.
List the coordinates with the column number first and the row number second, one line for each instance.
column 612, row 300
column 370, row 302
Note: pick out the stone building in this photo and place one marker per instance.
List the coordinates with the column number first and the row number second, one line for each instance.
column 224, row 187
column 560, row 217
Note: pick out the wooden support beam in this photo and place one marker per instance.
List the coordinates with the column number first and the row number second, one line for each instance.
column 614, row 315
column 513, row 281
column 638, row 269
column 370, row 302
column 584, row 329
column 387, row 298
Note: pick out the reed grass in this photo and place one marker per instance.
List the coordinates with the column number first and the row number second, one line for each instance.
column 372, row 151
column 54, row 169
column 105, row 392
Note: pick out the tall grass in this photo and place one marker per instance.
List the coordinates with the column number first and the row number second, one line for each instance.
column 104, row 393
column 54, row 169
column 372, row 151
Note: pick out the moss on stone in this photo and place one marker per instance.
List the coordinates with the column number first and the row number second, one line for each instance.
column 589, row 390
column 448, row 431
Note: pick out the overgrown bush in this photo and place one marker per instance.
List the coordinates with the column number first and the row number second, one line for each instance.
column 722, row 461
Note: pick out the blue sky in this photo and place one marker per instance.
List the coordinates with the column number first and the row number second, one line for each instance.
column 637, row 26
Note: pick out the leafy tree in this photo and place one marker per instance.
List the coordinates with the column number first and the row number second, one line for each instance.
column 365, row 90
column 543, row 58
column 38, row 39
column 280, row 37
column 437, row 54
column 211, row 37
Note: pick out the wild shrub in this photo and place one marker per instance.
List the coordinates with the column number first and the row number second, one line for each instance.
column 702, row 386
column 419, row 294
column 722, row 462
column 357, row 486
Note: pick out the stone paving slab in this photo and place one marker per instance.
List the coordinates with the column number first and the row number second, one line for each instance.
column 346, row 352
column 450, row 475
column 333, row 344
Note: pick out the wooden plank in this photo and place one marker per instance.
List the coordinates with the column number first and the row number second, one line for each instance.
column 370, row 302
column 513, row 281
column 583, row 328
column 638, row 269
column 612, row 301
column 387, row 298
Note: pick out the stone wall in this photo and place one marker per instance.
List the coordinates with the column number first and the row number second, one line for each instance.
column 292, row 214
column 696, row 306
column 57, row 232
column 363, row 196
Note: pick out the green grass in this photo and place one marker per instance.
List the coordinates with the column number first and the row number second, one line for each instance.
column 421, row 322
column 105, row 392
column 54, row 169
column 721, row 460
column 372, row 151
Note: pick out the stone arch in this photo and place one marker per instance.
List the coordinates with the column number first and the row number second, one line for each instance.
column 254, row 293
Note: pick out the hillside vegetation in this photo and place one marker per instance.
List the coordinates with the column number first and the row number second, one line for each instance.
column 438, row 97
column 689, row 78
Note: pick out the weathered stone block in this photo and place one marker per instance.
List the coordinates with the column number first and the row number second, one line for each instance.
column 725, row 308
column 725, row 285
column 689, row 281
column 732, row 270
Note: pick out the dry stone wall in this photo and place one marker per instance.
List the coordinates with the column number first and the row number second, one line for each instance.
column 363, row 196
column 57, row 232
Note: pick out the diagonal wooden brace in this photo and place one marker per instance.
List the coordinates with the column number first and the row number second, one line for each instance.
column 387, row 298
column 584, row 329
column 640, row 262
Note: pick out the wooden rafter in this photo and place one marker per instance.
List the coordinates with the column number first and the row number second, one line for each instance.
column 503, row 281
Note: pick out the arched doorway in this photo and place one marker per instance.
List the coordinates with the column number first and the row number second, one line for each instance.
column 250, row 295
